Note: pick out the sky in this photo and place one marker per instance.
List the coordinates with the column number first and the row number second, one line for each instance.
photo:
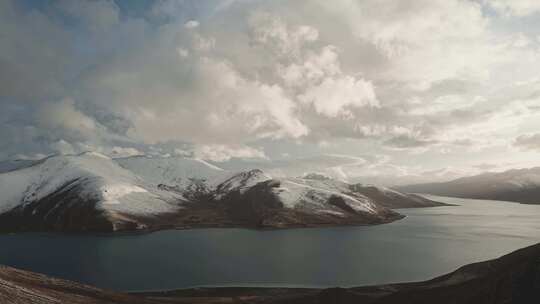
column 378, row 91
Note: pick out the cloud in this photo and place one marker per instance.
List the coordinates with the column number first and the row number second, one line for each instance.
column 63, row 147
column 62, row 116
column 408, row 141
column 312, row 68
column 408, row 34
column 34, row 55
column 272, row 31
column 224, row 106
column 191, row 24
column 528, row 142
column 220, row 153
column 421, row 78
column 515, row 7
column 332, row 96
column 97, row 16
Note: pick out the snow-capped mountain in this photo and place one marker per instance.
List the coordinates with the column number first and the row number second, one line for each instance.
column 517, row 185
column 86, row 191
column 188, row 177
column 255, row 199
column 91, row 191
column 240, row 182
column 177, row 171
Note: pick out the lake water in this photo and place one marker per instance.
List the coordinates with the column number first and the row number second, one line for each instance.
column 427, row 243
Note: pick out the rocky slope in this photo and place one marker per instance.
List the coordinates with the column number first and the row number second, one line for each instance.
column 23, row 287
column 91, row 192
column 519, row 185
column 511, row 279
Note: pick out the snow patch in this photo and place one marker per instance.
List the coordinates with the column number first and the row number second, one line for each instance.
column 112, row 193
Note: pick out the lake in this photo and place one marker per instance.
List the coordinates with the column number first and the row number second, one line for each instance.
column 427, row 243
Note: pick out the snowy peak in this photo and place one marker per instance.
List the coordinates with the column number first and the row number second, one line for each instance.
column 172, row 171
column 301, row 193
column 242, row 181
column 93, row 154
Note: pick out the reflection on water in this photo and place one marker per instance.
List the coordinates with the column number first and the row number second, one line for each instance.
column 427, row 243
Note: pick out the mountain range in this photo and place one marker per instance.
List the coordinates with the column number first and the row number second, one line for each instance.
column 92, row 192
column 517, row 185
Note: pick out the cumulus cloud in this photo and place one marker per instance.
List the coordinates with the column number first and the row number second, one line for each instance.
column 62, row 116
column 313, row 68
column 422, row 31
column 224, row 107
column 272, row 31
column 332, row 96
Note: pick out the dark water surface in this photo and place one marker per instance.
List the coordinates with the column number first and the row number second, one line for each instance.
column 427, row 243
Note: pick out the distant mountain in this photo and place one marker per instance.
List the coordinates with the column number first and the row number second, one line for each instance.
column 92, row 192
column 518, row 185
column 511, row 279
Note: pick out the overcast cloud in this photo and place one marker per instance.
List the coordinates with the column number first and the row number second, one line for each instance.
column 400, row 90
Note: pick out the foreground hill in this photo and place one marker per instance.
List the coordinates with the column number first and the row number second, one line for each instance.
column 518, row 185
column 511, row 279
column 23, row 287
column 91, row 192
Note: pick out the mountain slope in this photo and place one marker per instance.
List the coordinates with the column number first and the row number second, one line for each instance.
column 392, row 199
column 11, row 165
column 256, row 199
column 521, row 185
column 78, row 192
column 178, row 171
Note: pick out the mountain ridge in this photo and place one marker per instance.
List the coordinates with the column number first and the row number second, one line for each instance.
column 92, row 192
column 516, row 185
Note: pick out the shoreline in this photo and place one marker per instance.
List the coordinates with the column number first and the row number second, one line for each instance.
column 164, row 227
column 154, row 229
